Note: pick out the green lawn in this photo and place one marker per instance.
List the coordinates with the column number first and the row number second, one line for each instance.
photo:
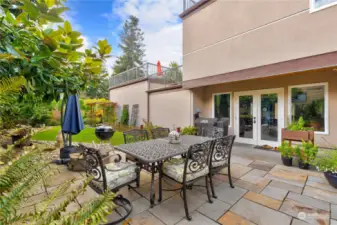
column 86, row 135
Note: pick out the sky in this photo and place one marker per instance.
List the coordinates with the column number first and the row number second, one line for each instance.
column 103, row 19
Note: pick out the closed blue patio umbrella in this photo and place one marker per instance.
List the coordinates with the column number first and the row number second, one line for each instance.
column 72, row 122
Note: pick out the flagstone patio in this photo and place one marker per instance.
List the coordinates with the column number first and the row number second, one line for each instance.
column 265, row 193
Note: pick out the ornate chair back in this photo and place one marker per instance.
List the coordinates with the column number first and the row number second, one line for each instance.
column 160, row 132
column 95, row 168
column 135, row 135
column 197, row 159
column 222, row 150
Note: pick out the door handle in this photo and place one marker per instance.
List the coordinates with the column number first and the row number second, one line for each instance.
column 254, row 119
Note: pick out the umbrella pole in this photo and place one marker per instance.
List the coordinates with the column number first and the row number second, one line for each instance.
column 62, row 117
column 70, row 140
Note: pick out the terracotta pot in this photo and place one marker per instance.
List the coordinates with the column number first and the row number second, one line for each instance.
column 332, row 178
column 304, row 166
column 287, row 161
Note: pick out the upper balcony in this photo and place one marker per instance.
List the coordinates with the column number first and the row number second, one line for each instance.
column 168, row 77
column 192, row 5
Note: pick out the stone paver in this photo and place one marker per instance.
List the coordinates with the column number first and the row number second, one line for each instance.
column 254, row 176
column 262, row 165
column 274, row 192
column 320, row 194
column 263, row 200
column 227, row 194
column 298, row 222
column 320, row 183
column 241, row 160
column 305, row 212
column 231, row 218
column 285, row 186
column 139, row 205
column 249, row 186
column 288, row 176
column 172, row 210
column 145, row 218
column 222, row 177
column 237, row 170
column 215, row 210
column 309, row 201
column 88, row 195
column 259, row 214
column 197, row 219
column 334, row 212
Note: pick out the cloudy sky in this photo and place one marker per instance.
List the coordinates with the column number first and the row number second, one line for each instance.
column 99, row 19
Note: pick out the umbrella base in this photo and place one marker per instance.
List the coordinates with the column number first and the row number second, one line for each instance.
column 66, row 151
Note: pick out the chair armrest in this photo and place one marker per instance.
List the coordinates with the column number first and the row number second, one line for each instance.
column 112, row 158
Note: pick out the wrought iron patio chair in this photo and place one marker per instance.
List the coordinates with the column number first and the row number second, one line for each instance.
column 220, row 158
column 111, row 176
column 160, row 132
column 133, row 136
column 189, row 170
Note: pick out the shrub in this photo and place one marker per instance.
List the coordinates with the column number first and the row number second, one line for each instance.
column 306, row 152
column 286, row 149
column 190, row 130
column 299, row 125
column 327, row 162
column 125, row 115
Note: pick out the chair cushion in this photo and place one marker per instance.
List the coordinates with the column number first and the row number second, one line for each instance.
column 174, row 168
column 222, row 163
column 120, row 173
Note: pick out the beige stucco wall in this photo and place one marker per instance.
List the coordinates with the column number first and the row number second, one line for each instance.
column 173, row 107
column 131, row 94
column 280, row 82
column 227, row 36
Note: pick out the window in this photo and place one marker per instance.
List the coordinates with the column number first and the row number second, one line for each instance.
column 316, row 5
column 222, row 105
column 310, row 102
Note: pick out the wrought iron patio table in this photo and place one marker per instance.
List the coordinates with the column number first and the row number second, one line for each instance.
column 154, row 152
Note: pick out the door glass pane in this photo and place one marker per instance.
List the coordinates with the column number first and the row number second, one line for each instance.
column 246, row 116
column 269, row 122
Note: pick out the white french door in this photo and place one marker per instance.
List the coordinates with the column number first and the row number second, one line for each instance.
column 259, row 116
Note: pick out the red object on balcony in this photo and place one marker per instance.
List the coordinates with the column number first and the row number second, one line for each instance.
column 178, row 129
column 159, row 70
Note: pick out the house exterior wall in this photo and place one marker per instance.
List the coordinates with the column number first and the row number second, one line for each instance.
column 172, row 107
column 284, row 81
column 130, row 95
column 227, row 36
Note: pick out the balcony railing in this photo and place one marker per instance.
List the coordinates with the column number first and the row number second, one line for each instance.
column 189, row 3
column 168, row 78
column 134, row 74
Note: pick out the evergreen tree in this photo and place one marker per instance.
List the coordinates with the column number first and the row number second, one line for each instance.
column 132, row 45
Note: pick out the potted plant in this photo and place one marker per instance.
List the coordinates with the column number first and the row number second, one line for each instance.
column 328, row 164
column 306, row 153
column 297, row 131
column 313, row 113
column 287, row 152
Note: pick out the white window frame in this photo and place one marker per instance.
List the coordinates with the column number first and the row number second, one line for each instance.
column 313, row 9
column 326, row 104
column 230, row 105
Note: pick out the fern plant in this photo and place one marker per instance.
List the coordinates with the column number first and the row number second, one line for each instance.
column 18, row 177
column 9, row 87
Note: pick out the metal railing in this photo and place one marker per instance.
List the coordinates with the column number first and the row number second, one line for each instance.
column 134, row 74
column 189, row 3
column 169, row 78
